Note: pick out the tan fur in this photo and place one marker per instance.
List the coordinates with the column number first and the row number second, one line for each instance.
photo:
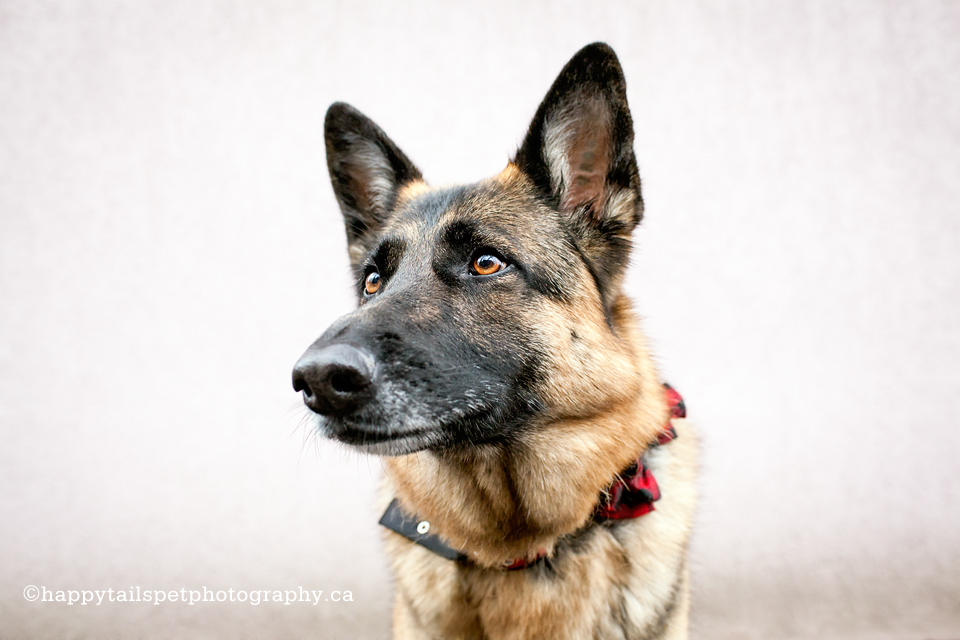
column 498, row 504
column 509, row 175
column 411, row 190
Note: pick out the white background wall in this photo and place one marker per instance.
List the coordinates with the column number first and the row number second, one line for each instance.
column 169, row 245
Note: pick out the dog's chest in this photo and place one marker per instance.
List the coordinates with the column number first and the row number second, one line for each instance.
column 623, row 580
column 592, row 591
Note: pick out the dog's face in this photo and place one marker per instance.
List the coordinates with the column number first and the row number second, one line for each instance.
column 487, row 309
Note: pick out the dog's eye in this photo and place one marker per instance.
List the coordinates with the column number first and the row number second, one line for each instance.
column 486, row 264
column 372, row 284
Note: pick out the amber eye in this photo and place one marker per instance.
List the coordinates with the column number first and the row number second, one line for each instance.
column 372, row 283
column 487, row 264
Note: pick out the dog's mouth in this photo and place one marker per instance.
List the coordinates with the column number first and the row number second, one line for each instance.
column 401, row 438
column 378, row 441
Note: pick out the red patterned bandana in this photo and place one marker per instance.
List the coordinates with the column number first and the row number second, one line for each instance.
column 631, row 495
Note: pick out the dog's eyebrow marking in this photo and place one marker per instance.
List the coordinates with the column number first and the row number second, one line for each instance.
column 470, row 235
column 461, row 233
column 388, row 253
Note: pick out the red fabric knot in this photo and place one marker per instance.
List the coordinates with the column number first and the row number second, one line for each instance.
column 635, row 490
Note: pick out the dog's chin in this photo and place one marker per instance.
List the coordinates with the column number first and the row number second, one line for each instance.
column 379, row 442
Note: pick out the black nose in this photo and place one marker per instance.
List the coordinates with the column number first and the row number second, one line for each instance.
column 334, row 379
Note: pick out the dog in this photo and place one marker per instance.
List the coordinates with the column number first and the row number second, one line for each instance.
column 539, row 477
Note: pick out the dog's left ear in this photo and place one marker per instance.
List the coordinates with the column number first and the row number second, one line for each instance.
column 367, row 171
column 579, row 154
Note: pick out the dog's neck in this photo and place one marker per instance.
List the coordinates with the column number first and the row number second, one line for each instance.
column 502, row 502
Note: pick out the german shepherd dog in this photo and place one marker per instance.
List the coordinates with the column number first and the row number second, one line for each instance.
column 497, row 366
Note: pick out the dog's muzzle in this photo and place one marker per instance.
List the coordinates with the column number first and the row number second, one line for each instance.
column 335, row 379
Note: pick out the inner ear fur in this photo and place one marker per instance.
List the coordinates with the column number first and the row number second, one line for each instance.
column 367, row 170
column 578, row 152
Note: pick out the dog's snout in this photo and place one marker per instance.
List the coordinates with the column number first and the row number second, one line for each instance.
column 335, row 379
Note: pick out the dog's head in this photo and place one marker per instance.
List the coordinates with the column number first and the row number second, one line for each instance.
column 490, row 308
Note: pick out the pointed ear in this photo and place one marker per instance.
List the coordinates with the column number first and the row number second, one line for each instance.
column 579, row 154
column 367, row 170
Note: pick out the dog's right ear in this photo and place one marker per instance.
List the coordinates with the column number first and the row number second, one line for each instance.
column 367, row 170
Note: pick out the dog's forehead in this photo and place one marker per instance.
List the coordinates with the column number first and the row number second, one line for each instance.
column 428, row 217
column 420, row 208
